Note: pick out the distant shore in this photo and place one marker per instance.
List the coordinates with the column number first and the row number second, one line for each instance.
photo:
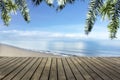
column 12, row 51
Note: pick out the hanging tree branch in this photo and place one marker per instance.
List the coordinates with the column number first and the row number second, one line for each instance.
column 6, row 7
column 114, row 20
column 102, row 8
column 93, row 11
column 22, row 6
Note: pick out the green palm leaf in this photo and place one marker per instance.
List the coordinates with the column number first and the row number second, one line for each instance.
column 109, row 9
column 93, row 11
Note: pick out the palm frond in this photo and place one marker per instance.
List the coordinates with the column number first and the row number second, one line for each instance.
column 22, row 5
column 50, row 3
column 37, row 2
column 62, row 4
column 107, row 9
column 6, row 7
column 93, row 11
column 113, row 27
column 114, row 19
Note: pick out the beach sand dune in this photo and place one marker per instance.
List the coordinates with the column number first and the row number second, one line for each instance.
column 11, row 51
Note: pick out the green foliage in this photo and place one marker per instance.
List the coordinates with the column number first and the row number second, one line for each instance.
column 22, row 6
column 12, row 6
column 94, row 8
column 61, row 3
column 6, row 7
column 37, row 2
column 114, row 18
column 109, row 9
column 106, row 9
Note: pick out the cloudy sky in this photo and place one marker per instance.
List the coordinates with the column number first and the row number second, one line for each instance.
column 46, row 23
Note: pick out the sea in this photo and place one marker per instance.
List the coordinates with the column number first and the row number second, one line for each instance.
column 90, row 48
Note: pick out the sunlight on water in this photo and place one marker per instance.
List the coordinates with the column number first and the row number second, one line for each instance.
column 71, row 47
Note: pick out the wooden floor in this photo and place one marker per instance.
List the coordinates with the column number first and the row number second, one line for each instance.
column 70, row 68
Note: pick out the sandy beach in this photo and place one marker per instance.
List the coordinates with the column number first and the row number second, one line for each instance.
column 11, row 51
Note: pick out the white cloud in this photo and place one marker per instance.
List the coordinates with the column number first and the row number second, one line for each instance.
column 43, row 34
column 39, row 34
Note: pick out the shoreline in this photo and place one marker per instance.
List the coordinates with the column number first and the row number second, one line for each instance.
column 7, row 50
column 13, row 51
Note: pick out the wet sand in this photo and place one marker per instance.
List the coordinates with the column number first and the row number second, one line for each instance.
column 11, row 51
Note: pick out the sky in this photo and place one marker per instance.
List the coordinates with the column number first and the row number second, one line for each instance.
column 47, row 23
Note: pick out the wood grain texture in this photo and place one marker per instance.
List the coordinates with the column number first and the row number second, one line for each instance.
column 66, row 68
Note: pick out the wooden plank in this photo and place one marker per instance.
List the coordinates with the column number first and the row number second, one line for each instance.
column 39, row 70
column 29, row 74
column 16, row 71
column 45, row 74
column 3, row 71
column 5, row 61
column 6, row 65
column 112, row 60
column 116, row 67
column 73, row 68
column 110, row 68
column 69, row 74
column 104, row 69
column 11, row 68
column 61, row 72
column 116, row 60
column 89, row 70
column 24, row 71
column 79, row 65
column 96, row 70
column 75, row 71
column 109, row 60
column 53, row 71
column 1, row 57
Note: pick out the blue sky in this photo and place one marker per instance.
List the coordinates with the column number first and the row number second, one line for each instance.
column 46, row 23
column 62, row 30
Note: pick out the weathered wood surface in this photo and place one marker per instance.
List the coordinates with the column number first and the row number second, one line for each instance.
column 69, row 68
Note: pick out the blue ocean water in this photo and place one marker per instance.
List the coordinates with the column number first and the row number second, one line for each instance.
column 106, row 48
